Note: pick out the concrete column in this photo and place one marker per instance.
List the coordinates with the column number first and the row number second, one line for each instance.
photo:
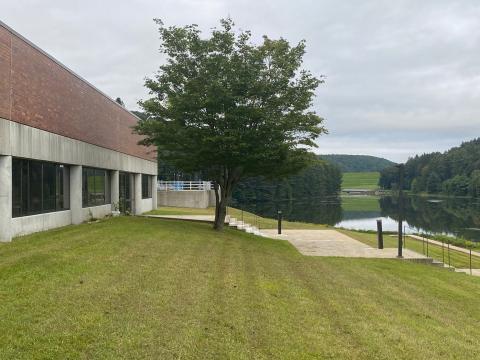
column 137, row 187
column 76, row 194
column 154, row 193
column 5, row 198
column 115, row 188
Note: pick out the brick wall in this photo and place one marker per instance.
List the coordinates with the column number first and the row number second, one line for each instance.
column 37, row 91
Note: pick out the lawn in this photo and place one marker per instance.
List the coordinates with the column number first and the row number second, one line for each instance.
column 133, row 288
column 250, row 218
column 457, row 259
column 360, row 180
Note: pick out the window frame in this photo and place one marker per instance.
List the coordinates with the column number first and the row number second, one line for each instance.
column 94, row 191
column 146, row 182
column 23, row 189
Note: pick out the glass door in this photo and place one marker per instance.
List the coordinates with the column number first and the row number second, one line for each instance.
column 125, row 196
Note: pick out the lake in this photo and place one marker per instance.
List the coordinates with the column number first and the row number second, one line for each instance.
column 429, row 215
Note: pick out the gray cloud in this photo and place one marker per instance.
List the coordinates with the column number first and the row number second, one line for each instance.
column 403, row 77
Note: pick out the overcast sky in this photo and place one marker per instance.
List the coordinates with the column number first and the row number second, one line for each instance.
column 402, row 77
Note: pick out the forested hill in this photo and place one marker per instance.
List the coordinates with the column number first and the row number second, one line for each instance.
column 357, row 163
column 454, row 172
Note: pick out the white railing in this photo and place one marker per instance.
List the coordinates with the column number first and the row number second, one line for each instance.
column 184, row 185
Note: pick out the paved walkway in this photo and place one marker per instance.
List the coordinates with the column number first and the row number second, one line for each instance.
column 439, row 243
column 334, row 243
column 475, row 272
column 200, row 218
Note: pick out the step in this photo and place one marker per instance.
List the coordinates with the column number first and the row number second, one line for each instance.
column 248, row 229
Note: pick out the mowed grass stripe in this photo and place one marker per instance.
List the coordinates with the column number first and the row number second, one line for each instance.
column 149, row 288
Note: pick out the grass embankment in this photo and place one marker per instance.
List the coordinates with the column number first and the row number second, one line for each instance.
column 360, row 180
column 457, row 259
column 250, row 218
column 150, row 288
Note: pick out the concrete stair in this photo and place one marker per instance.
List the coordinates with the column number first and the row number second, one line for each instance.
column 431, row 262
column 241, row 225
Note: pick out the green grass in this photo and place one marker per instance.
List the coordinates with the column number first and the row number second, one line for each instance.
column 142, row 288
column 250, row 218
column 360, row 180
column 457, row 259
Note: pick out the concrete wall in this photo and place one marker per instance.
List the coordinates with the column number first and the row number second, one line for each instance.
column 30, row 224
column 194, row 199
column 17, row 140
column 27, row 142
column 146, row 205
column 96, row 212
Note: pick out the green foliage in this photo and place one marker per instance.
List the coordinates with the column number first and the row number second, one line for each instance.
column 434, row 183
column 454, row 172
column 474, row 188
column 458, row 185
column 358, row 163
column 318, row 180
column 415, row 186
column 229, row 108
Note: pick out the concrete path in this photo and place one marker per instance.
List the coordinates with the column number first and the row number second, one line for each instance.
column 334, row 243
column 439, row 243
column 475, row 272
column 200, row 218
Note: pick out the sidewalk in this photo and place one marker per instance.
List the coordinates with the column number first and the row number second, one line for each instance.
column 199, row 218
column 334, row 243
column 439, row 243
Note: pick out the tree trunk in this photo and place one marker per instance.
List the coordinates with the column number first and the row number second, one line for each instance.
column 223, row 193
column 220, row 207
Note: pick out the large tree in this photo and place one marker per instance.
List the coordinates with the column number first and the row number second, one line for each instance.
column 229, row 108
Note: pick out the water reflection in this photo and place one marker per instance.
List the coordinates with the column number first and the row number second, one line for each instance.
column 459, row 216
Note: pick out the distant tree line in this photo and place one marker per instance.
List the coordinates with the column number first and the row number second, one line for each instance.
column 357, row 163
column 319, row 180
column 455, row 172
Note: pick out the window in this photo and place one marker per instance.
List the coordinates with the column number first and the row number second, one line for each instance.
column 146, row 186
column 38, row 187
column 95, row 187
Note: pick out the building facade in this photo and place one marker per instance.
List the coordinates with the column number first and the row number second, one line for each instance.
column 67, row 151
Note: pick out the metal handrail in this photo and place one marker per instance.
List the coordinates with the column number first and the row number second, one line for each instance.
column 184, row 185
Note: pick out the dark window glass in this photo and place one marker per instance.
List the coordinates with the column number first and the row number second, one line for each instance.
column 60, row 187
column 25, row 186
column 38, row 187
column 146, row 186
column 35, row 185
column 95, row 187
column 17, row 188
column 49, row 187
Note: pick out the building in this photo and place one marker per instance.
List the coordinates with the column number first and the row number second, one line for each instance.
column 67, row 152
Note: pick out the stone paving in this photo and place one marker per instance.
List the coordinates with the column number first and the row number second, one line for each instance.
column 201, row 218
column 334, row 243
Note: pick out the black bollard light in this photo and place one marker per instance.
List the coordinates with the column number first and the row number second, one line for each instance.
column 380, row 234
column 279, row 222
column 401, row 172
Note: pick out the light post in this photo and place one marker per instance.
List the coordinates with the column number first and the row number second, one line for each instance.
column 279, row 222
column 401, row 173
